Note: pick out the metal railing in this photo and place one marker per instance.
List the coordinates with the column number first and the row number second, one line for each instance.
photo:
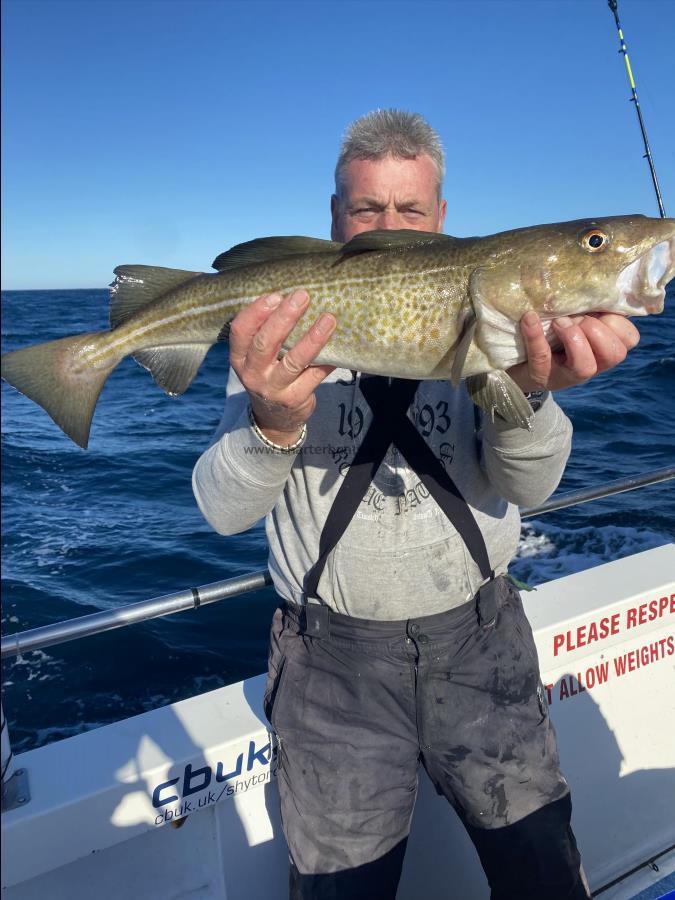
column 132, row 613
column 656, row 476
column 192, row 598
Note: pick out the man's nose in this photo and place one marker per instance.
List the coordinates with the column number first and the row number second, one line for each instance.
column 389, row 220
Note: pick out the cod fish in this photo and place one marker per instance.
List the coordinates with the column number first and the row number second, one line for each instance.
column 408, row 304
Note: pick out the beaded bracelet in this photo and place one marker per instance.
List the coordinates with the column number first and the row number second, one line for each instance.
column 293, row 448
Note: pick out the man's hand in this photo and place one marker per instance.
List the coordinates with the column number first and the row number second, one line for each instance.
column 590, row 345
column 281, row 390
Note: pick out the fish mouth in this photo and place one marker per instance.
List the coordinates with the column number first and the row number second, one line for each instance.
column 642, row 284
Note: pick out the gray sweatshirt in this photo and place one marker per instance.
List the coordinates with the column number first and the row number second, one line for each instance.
column 400, row 557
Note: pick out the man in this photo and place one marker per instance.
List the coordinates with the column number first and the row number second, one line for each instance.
column 400, row 640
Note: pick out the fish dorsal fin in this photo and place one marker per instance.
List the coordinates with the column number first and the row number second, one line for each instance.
column 271, row 249
column 137, row 286
column 370, row 241
column 173, row 367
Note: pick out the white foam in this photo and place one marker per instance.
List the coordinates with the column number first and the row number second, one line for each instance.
column 546, row 552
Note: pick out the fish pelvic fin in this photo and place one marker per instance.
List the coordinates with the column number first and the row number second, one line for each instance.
column 135, row 287
column 173, row 368
column 497, row 392
column 57, row 377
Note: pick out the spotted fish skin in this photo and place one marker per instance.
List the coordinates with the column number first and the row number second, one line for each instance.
column 398, row 313
column 402, row 307
column 408, row 304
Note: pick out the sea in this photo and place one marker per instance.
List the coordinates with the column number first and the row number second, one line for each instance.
column 96, row 530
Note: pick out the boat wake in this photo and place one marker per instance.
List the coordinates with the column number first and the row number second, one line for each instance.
column 546, row 551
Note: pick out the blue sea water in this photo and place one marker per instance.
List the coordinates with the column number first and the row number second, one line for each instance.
column 118, row 524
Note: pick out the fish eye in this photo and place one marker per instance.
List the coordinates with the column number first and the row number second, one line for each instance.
column 594, row 240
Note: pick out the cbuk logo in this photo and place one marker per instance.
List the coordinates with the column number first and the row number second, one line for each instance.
column 195, row 780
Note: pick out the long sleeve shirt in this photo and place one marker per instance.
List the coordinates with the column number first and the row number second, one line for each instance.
column 400, row 557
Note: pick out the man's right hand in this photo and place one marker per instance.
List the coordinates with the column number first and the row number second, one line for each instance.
column 281, row 389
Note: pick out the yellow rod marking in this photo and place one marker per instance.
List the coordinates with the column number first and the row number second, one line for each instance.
column 624, row 50
column 628, row 69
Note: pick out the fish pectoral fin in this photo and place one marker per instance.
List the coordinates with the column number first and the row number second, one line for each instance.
column 462, row 348
column 137, row 286
column 497, row 392
column 497, row 334
column 173, row 367
column 382, row 239
column 271, row 249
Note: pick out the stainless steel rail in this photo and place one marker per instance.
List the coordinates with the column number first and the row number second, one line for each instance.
column 192, row 598
column 656, row 476
column 94, row 623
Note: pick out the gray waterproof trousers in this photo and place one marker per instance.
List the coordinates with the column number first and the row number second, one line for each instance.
column 357, row 705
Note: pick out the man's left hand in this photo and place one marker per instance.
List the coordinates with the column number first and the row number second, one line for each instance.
column 590, row 345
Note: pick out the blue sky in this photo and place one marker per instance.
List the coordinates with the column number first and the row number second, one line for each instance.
column 164, row 131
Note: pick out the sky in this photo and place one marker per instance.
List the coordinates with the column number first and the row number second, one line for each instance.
column 165, row 131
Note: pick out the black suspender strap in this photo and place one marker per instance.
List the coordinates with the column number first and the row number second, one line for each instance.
column 421, row 459
column 391, row 425
column 367, row 461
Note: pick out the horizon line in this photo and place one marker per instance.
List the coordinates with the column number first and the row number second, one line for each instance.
column 105, row 288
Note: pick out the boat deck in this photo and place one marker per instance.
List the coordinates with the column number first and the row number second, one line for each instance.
column 103, row 803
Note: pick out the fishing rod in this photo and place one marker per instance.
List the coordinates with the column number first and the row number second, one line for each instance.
column 613, row 5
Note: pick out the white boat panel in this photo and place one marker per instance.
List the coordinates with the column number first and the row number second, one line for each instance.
column 95, row 790
column 101, row 800
column 647, row 884
column 616, row 739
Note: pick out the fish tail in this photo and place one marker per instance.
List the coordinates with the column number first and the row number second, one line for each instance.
column 63, row 379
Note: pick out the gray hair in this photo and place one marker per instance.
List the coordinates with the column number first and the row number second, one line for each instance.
column 389, row 132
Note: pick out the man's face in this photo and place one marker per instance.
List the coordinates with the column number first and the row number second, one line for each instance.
column 387, row 193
